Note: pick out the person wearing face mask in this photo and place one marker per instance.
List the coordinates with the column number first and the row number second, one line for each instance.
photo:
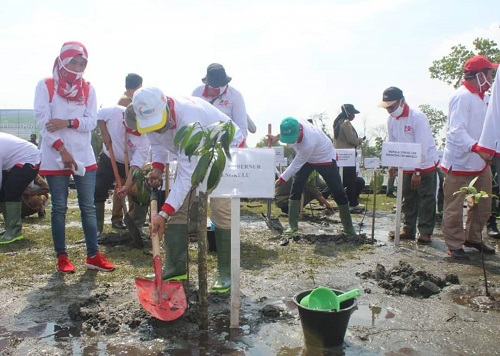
column 66, row 113
column 345, row 136
column 216, row 91
column 463, row 160
column 313, row 152
column 408, row 125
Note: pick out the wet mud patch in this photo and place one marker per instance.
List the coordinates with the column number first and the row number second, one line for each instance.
column 476, row 299
column 120, row 239
column 97, row 315
column 404, row 279
column 338, row 239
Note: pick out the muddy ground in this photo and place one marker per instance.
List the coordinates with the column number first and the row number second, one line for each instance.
column 74, row 315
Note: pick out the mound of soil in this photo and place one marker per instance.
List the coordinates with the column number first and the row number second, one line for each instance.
column 403, row 279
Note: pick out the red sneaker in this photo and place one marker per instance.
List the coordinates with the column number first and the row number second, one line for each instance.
column 64, row 265
column 99, row 262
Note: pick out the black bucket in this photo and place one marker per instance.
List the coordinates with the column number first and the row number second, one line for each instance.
column 324, row 328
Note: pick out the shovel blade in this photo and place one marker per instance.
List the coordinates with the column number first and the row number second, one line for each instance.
column 274, row 224
column 166, row 303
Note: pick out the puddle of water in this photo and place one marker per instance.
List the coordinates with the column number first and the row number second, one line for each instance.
column 371, row 315
column 479, row 301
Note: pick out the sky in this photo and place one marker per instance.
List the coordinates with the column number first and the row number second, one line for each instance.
column 287, row 58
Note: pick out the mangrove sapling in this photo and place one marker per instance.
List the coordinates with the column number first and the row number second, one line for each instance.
column 211, row 144
column 472, row 199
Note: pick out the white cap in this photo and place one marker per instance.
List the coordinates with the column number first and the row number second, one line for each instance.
column 150, row 106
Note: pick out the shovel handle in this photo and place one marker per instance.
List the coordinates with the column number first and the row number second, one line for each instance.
column 115, row 168
column 155, row 240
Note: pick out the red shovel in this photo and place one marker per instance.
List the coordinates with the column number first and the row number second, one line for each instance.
column 163, row 300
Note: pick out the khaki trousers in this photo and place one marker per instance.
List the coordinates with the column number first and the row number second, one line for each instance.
column 477, row 215
column 220, row 212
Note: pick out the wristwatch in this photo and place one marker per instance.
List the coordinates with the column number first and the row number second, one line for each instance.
column 164, row 215
column 70, row 123
column 417, row 173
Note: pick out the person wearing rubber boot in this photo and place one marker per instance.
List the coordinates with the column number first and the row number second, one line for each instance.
column 314, row 152
column 160, row 117
column 19, row 163
column 116, row 134
column 408, row 125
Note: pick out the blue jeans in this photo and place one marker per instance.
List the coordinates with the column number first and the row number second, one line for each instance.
column 85, row 187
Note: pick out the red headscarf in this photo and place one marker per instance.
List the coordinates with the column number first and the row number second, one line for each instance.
column 69, row 84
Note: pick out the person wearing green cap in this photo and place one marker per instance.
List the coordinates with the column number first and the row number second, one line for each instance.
column 314, row 152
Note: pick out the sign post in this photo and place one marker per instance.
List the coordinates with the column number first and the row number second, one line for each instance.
column 373, row 163
column 249, row 174
column 400, row 154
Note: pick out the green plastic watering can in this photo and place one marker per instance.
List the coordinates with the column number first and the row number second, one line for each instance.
column 323, row 298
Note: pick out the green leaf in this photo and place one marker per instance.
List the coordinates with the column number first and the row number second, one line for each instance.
column 201, row 169
column 472, row 182
column 187, row 136
column 180, row 135
column 216, row 171
column 193, row 144
column 215, row 130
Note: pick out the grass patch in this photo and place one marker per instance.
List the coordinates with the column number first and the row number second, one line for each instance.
column 35, row 256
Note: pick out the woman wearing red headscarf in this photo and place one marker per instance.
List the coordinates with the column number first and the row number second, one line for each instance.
column 66, row 113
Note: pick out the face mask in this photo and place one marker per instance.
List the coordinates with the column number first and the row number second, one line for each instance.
column 398, row 111
column 69, row 75
column 483, row 88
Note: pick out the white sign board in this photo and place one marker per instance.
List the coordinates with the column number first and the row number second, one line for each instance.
column 401, row 154
column 249, row 174
column 372, row 163
column 280, row 159
column 346, row 157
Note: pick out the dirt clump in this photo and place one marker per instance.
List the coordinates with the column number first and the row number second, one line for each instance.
column 403, row 279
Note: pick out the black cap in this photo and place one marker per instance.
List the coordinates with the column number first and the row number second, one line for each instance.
column 349, row 109
column 390, row 96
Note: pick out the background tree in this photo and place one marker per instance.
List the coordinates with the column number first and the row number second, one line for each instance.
column 449, row 69
column 437, row 120
column 322, row 121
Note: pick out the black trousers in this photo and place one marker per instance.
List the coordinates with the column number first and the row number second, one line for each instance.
column 15, row 181
column 105, row 177
column 331, row 176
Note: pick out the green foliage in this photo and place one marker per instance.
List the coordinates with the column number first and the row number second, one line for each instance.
column 96, row 141
column 437, row 121
column 472, row 196
column 143, row 190
column 449, row 69
column 211, row 144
